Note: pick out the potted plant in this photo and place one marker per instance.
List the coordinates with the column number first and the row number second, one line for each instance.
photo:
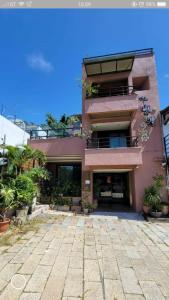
column 25, row 190
column 88, row 207
column 156, row 209
column 165, row 208
column 148, row 196
column 156, row 187
column 6, row 203
column 37, row 174
column 62, row 204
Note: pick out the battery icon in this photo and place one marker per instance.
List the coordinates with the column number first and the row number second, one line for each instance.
column 161, row 4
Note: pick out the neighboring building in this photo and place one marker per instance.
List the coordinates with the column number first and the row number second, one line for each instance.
column 165, row 119
column 11, row 134
column 121, row 147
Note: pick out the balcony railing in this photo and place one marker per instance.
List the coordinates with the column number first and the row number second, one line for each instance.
column 111, row 91
column 166, row 141
column 55, row 133
column 112, row 142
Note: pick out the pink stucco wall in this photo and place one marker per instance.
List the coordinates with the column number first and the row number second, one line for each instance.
column 113, row 157
column 111, row 104
column 54, row 147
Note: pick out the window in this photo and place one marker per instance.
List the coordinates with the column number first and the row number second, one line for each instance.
column 68, row 177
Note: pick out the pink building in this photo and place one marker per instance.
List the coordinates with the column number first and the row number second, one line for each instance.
column 120, row 147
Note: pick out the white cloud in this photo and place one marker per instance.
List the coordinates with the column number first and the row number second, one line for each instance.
column 38, row 62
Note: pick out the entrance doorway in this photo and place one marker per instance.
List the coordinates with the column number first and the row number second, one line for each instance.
column 112, row 191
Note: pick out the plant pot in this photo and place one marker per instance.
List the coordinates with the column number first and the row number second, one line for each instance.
column 76, row 200
column 34, row 203
column 146, row 209
column 156, row 214
column 86, row 211
column 63, row 208
column 165, row 209
column 4, row 225
column 66, row 208
column 22, row 213
column 76, row 208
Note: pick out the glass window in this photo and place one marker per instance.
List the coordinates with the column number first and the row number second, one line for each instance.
column 69, row 179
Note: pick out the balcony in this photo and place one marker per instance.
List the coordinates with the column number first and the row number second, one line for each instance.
column 38, row 134
column 113, row 152
column 114, row 99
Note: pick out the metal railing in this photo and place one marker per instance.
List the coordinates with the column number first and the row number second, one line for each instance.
column 55, row 133
column 135, row 53
column 111, row 91
column 112, row 142
column 166, row 142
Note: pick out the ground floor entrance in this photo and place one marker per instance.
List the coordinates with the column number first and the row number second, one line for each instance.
column 112, row 191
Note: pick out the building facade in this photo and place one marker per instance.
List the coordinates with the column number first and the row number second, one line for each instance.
column 11, row 134
column 112, row 158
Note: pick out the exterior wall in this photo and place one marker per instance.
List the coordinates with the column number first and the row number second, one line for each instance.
column 111, row 104
column 14, row 135
column 113, row 157
column 54, row 147
column 153, row 149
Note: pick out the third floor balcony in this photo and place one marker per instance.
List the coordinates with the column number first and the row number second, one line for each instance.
column 111, row 99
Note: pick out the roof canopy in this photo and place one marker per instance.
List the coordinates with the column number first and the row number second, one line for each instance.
column 112, row 63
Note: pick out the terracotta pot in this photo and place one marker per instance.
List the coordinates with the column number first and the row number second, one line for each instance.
column 165, row 209
column 146, row 209
column 4, row 225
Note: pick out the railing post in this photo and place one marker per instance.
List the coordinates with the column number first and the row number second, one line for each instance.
column 98, row 143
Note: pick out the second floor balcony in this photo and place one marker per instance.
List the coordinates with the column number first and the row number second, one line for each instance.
column 113, row 152
column 112, row 142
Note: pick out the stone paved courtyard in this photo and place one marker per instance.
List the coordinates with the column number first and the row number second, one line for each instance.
column 76, row 257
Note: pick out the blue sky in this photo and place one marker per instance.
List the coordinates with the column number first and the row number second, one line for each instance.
column 41, row 53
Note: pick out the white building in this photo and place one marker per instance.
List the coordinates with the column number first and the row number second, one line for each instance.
column 11, row 134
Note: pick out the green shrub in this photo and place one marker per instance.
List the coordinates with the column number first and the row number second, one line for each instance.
column 25, row 190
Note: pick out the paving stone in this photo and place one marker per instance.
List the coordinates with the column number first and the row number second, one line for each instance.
column 12, row 293
column 38, row 279
column 73, row 289
column 90, row 252
column 151, row 290
column 9, row 271
column 75, row 274
column 76, row 262
column 30, row 264
column 134, row 297
column 3, row 283
column 30, row 296
column 93, row 290
column 53, row 289
column 113, row 290
column 110, row 269
column 49, row 257
column 129, row 281
column 91, row 270
column 20, row 257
